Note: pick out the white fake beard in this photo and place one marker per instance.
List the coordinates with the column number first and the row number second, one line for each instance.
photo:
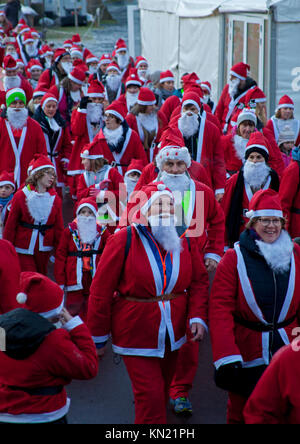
column 75, row 95
column 143, row 73
column 256, row 173
column 31, row 50
column 113, row 136
column 148, row 121
column 240, row 146
column 11, row 82
column 233, row 86
column 17, row 118
column 93, row 69
column 48, row 62
column 164, row 231
column 175, row 182
column 123, row 60
column 94, row 112
column 39, row 206
column 113, row 82
column 87, row 229
column 278, row 254
column 130, row 185
column 188, row 124
column 205, row 98
column 131, row 99
column 67, row 67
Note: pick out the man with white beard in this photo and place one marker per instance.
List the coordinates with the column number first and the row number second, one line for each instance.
column 113, row 83
column 21, row 137
column 12, row 79
column 133, row 85
column 29, row 48
column 233, row 93
column 148, row 122
column 202, row 138
column 241, row 187
column 123, row 59
column 78, row 254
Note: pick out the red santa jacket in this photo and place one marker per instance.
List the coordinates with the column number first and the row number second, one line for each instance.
column 65, row 354
column 234, row 163
column 204, row 218
column 289, row 192
column 150, row 173
column 48, row 79
column 132, row 149
column 17, row 153
column 115, row 186
column 26, row 238
column 139, row 328
column 68, row 270
column 134, row 124
column 82, row 137
column 9, row 275
column 169, row 105
column 209, row 152
column 232, row 295
column 227, row 106
column 275, row 399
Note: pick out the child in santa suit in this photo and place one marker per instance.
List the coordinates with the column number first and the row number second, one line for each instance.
column 44, row 358
column 35, row 222
column 132, row 176
column 78, row 255
column 7, row 189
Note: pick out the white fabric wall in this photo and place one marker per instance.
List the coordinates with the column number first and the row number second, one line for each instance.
column 160, row 40
column 199, row 48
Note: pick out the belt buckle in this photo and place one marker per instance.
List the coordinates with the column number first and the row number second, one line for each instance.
column 113, row 164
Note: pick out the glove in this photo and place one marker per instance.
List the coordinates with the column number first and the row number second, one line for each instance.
column 104, row 184
column 83, row 102
column 228, row 377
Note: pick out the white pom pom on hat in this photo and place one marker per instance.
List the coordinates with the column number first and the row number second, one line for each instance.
column 21, row 298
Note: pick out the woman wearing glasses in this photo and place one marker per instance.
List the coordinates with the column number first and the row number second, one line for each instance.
column 255, row 301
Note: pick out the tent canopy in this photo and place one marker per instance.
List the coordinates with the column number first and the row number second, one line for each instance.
column 183, row 8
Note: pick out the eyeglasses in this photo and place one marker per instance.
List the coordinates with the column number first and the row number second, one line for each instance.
column 267, row 222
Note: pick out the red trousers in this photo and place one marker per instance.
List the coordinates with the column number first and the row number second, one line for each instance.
column 235, row 407
column 186, row 368
column 77, row 301
column 150, row 379
column 37, row 262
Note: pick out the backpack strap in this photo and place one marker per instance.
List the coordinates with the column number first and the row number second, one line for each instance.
column 128, row 241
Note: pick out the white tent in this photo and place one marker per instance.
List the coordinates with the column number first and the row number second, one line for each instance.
column 209, row 36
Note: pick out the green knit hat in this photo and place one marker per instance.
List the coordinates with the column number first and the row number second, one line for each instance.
column 15, row 94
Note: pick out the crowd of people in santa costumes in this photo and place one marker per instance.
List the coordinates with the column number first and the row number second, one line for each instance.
column 184, row 209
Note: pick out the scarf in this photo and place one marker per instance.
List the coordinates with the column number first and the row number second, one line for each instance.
column 119, row 146
column 42, row 119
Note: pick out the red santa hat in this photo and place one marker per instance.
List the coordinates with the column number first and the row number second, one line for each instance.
column 120, row 46
column 22, row 22
column 48, row 98
column 24, row 28
column 76, row 39
column 133, row 79
column 68, row 44
column 76, row 52
column 172, row 147
column 39, row 92
column 77, row 75
column 59, row 54
column 89, row 202
column 135, row 165
column 285, row 102
column 148, row 195
column 34, row 64
column 20, row 63
column 140, row 61
column 146, row 97
column 9, row 63
column 91, row 151
column 105, row 59
column 7, row 179
column 40, row 162
column 265, row 203
column 114, row 66
column 166, row 76
column 253, row 96
column 117, row 110
column 78, row 63
column 96, row 89
column 28, row 38
column 240, row 70
column 206, row 87
column 257, row 143
column 34, row 32
column 40, row 294
column 46, row 51
column 190, row 79
column 91, row 58
column 191, row 98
